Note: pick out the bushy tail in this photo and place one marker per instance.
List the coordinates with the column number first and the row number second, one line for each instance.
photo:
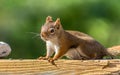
column 114, row 51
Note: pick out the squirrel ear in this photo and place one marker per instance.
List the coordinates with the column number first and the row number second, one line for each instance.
column 49, row 19
column 57, row 22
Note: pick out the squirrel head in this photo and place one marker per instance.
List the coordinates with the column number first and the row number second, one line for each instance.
column 51, row 29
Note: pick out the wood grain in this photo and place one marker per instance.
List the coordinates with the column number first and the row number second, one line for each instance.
column 64, row 67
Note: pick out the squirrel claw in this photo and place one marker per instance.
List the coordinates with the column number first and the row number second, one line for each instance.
column 42, row 58
column 52, row 61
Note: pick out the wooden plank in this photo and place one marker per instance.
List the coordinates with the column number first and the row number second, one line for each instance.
column 64, row 67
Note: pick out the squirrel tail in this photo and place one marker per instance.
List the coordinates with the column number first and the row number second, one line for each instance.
column 114, row 50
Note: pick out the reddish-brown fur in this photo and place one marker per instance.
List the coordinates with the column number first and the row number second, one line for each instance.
column 73, row 44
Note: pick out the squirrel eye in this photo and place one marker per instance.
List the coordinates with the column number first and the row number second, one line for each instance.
column 52, row 30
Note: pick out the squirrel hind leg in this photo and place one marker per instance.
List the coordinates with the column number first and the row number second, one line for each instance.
column 74, row 54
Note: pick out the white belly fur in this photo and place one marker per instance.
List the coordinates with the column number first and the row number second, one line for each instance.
column 54, row 46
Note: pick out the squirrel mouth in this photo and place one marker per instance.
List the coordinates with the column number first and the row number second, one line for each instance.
column 45, row 39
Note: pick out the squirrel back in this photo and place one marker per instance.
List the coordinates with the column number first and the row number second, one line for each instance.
column 87, row 47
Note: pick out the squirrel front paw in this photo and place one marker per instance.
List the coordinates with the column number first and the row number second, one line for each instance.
column 51, row 60
column 43, row 58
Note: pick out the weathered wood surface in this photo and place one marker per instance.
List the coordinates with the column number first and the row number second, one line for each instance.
column 65, row 67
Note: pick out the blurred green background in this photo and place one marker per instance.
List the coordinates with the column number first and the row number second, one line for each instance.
column 98, row 18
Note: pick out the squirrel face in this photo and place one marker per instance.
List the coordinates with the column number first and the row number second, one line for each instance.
column 50, row 30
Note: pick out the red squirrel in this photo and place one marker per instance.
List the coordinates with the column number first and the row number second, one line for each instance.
column 73, row 44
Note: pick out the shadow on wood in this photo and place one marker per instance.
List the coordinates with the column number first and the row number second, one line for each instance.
column 65, row 67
